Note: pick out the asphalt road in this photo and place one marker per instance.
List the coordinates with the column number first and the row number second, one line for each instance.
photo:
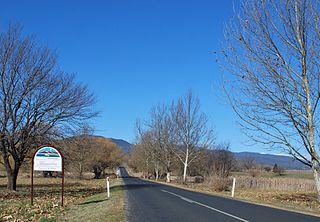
column 153, row 202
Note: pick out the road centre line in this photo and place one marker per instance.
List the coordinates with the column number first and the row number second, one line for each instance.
column 203, row 205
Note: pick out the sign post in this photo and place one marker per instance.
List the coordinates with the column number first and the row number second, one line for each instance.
column 48, row 158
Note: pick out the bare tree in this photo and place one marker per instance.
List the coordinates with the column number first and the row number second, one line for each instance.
column 140, row 160
column 191, row 128
column 162, row 128
column 248, row 163
column 272, row 52
column 38, row 101
column 150, row 141
column 78, row 149
column 219, row 162
column 224, row 160
column 145, row 154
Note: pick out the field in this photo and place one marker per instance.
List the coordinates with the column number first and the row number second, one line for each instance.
column 298, row 174
column 80, row 196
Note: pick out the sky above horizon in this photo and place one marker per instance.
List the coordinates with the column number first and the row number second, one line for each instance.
column 135, row 54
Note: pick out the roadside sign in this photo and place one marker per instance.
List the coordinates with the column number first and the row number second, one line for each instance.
column 47, row 159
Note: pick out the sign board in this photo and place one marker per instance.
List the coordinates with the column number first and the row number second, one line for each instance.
column 47, row 159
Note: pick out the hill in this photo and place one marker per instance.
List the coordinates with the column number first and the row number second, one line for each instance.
column 286, row 162
column 124, row 145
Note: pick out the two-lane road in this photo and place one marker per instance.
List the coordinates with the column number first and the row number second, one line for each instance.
column 152, row 202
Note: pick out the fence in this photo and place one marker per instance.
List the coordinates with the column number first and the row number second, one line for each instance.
column 282, row 184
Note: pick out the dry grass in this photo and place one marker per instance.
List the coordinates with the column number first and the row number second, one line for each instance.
column 278, row 183
column 298, row 174
column 99, row 207
column 15, row 206
column 305, row 202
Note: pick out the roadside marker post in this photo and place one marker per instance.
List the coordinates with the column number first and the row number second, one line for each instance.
column 108, row 188
column 233, row 187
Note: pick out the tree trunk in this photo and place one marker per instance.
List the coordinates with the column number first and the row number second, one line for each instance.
column 12, row 176
column 316, row 174
column 80, row 171
column 185, row 165
column 97, row 172
column 168, row 177
column 157, row 172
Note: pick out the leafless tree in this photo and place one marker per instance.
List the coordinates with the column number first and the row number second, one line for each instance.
column 224, row 160
column 147, row 151
column 191, row 128
column 38, row 101
column 77, row 149
column 248, row 163
column 219, row 162
column 272, row 53
column 162, row 128
column 139, row 159
column 153, row 138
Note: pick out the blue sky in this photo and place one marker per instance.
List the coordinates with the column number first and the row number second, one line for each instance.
column 134, row 54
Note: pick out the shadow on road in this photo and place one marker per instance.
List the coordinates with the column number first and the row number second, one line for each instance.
column 133, row 183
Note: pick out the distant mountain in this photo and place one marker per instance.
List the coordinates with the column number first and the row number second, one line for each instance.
column 124, row 145
column 286, row 162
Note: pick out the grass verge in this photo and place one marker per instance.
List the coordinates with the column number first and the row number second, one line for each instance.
column 15, row 205
column 98, row 207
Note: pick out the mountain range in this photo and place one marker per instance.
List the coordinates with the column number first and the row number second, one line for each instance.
column 286, row 162
column 124, row 145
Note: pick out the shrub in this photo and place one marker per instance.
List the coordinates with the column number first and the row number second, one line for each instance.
column 221, row 184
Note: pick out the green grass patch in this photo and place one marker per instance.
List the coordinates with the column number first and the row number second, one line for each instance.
column 98, row 207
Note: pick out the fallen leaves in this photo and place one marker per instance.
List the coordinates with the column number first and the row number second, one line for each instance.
column 15, row 206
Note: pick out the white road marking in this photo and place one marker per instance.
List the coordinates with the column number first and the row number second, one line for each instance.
column 206, row 206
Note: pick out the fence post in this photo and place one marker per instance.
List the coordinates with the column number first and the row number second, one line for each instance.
column 233, row 187
column 108, row 188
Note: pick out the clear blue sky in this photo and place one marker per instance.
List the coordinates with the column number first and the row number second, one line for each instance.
column 134, row 54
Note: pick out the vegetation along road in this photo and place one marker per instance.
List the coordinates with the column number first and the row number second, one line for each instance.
column 152, row 202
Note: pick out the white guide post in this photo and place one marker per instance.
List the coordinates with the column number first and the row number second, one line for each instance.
column 233, row 187
column 108, row 187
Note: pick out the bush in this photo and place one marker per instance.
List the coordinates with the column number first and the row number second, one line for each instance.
column 254, row 172
column 198, row 179
column 221, row 184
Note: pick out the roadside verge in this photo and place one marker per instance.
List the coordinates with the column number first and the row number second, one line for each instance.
column 98, row 207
